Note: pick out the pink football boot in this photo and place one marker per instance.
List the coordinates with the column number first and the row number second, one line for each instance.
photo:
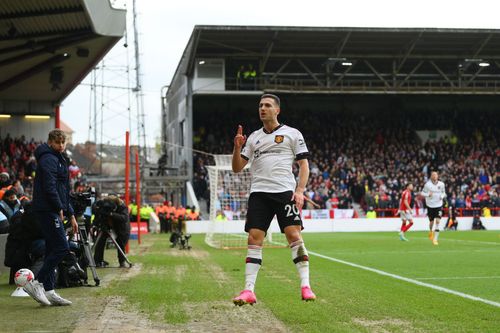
column 307, row 294
column 245, row 297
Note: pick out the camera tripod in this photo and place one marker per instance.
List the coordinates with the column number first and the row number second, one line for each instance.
column 84, row 242
column 179, row 237
column 109, row 233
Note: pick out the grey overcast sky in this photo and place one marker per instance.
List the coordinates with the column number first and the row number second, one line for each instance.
column 165, row 28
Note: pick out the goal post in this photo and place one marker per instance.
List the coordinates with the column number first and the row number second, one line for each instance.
column 229, row 192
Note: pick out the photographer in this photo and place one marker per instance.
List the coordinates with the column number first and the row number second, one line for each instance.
column 111, row 213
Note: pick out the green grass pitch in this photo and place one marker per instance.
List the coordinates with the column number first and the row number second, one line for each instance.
column 184, row 291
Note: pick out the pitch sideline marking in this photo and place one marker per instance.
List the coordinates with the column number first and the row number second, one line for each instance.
column 471, row 241
column 458, row 278
column 398, row 277
column 462, row 240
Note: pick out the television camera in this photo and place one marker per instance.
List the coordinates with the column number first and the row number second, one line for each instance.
column 179, row 237
column 80, row 201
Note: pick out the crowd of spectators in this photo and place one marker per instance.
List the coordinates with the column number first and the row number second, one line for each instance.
column 18, row 162
column 18, row 165
column 367, row 158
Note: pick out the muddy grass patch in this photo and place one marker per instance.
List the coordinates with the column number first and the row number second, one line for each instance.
column 385, row 325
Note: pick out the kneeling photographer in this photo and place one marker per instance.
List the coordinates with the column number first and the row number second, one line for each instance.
column 111, row 215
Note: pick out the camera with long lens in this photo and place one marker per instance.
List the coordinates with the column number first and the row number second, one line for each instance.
column 179, row 237
column 80, row 201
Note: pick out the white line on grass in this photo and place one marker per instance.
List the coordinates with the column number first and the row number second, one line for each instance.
column 460, row 240
column 472, row 241
column 398, row 251
column 419, row 283
column 458, row 278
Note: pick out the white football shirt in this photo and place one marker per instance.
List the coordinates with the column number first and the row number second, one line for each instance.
column 272, row 156
column 438, row 194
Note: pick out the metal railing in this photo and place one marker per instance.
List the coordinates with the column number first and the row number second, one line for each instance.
column 363, row 85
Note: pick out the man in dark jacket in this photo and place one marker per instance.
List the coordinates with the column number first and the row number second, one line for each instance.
column 51, row 203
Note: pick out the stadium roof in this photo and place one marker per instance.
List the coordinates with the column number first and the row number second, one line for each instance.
column 48, row 46
column 369, row 60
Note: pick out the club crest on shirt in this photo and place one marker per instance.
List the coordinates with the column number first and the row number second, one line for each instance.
column 279, row 138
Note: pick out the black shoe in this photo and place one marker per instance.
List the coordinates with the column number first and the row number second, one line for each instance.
column 102, row 264
column 123, row 265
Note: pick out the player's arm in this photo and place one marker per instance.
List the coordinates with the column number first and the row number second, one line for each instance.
column 298, row 195
column 425, row 192
column 406, row 203
column 443, row 193
column 238, row 162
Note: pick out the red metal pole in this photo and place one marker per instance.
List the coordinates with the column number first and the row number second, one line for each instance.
column 58, row 116
column 138, row 196
column 127, row 176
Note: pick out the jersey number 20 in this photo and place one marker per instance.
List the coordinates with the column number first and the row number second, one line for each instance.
column 291, row 210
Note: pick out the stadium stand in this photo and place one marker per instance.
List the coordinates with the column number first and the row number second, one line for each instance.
column 379, row 90
column 367, row 158
column 17, row 160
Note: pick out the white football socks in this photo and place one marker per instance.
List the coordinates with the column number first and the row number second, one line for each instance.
column 253, row 263
column 301, row 259
column 436, row 232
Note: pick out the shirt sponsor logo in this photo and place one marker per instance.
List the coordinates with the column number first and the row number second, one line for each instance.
column 279, row 138
column 257, row 153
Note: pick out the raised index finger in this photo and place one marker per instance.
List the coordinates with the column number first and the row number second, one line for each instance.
column 240, row 130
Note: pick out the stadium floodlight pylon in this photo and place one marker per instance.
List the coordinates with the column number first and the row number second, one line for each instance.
column 229, row 192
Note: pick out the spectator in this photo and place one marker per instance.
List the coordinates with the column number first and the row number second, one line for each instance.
column 220, row 216
column 18, row 187
column 486, row 212
column 74, row 171
column 4, row 179
column 193, row 215
column 4, row 224
column 10, row 204
column 371, row 214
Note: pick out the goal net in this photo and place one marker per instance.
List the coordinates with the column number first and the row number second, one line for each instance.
column 229, row 194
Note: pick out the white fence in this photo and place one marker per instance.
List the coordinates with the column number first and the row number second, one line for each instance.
column 345, row 225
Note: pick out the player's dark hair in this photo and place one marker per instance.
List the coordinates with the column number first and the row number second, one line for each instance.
column 274, row 97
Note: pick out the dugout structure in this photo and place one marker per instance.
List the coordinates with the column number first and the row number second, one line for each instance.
column 326, row 69
column 46, row 48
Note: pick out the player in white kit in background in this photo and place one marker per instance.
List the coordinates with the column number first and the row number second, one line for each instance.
column 434, row 193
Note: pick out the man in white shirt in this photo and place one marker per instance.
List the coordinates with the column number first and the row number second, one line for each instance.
column 272, row 151
column 434, row 193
